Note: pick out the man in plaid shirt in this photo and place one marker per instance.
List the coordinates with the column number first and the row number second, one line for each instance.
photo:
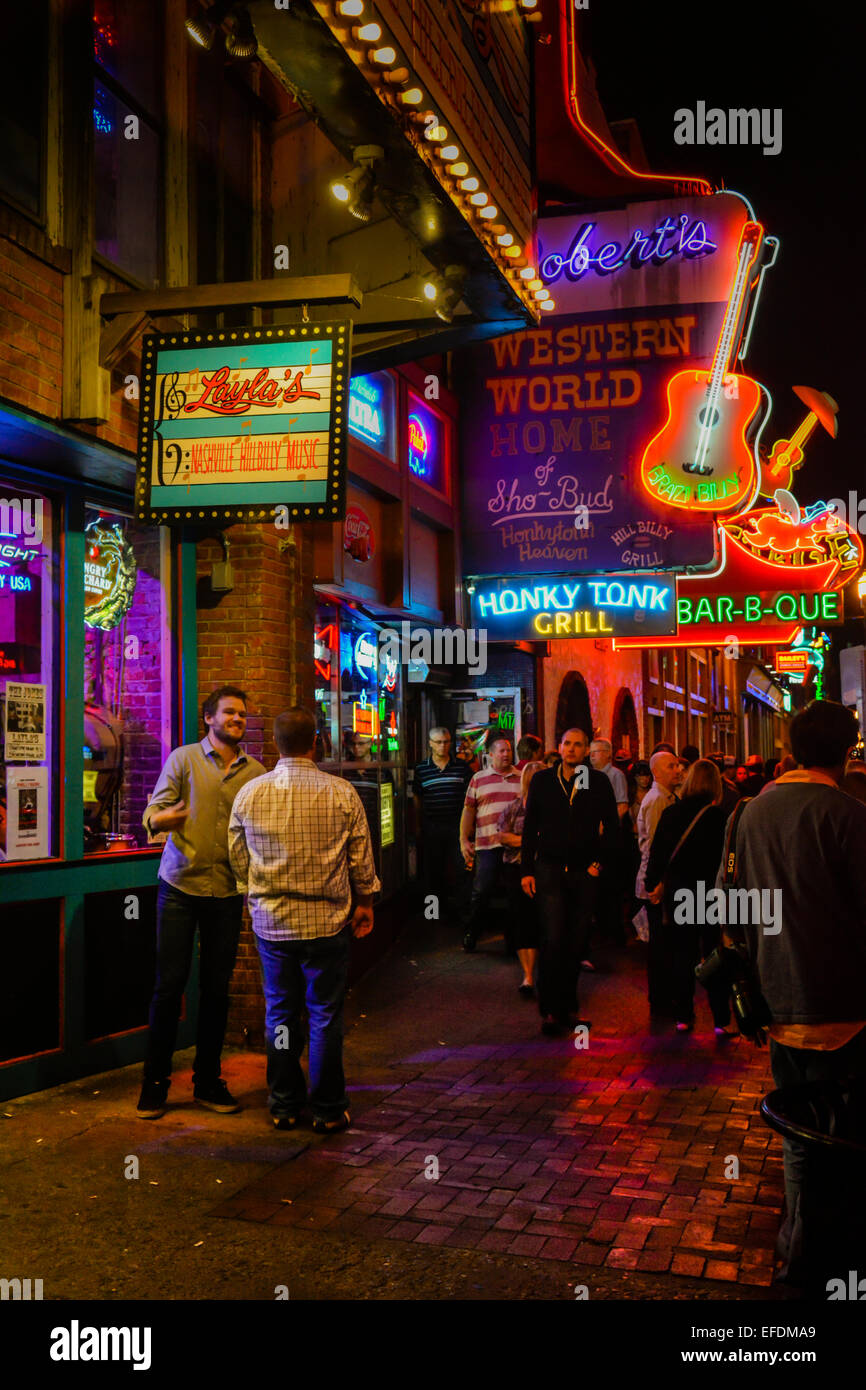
column 300, row 848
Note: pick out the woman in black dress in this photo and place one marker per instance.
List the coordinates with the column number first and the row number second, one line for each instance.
column 687, row 850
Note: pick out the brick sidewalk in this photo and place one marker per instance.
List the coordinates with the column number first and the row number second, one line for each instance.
column 492, row 1138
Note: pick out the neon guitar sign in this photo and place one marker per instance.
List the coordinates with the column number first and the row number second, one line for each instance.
column 703, row 456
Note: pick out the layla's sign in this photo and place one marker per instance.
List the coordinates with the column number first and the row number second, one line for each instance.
column 238, row 423
column 518, row 611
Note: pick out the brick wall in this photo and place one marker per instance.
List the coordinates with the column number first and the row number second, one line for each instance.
column 31, row 344
column 605, row 671
column 31, row 327
column 259, row 636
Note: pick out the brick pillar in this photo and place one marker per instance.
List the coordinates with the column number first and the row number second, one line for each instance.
column 260, row 637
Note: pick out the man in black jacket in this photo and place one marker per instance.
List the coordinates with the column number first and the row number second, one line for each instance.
column 570, row 837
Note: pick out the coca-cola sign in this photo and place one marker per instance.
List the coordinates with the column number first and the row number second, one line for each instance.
column 358, row 536
column 248, row 424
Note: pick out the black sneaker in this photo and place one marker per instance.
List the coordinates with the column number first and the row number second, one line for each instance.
column 285, row 1121
column 151, row 1102
column 216, row 1097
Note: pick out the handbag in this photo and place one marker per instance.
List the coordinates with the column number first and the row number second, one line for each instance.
column 751, row 1011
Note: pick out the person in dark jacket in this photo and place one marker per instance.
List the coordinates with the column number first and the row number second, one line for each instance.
column 570, row 836
column 804, row 849
column 696, row 860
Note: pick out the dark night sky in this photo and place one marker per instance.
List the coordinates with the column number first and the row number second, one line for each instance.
column 807, row 59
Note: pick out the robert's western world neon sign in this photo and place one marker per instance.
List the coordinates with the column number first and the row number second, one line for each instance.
column 588, row 607
column 675, row 236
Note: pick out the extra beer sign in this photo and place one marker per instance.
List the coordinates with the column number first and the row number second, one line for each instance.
column 237, row 424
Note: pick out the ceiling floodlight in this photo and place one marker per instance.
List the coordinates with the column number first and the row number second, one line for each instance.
column 350, row 9
column 457, row 171
column 356, row 189
column 203, row 28
column 541, row 295
column 242, row 42
column 489, row 211
column 452, row 292
column 383, row 56
column 478, row 199
column 436, row 133
column 528, row 272
column 469, row 185
column 369, row 33
column 547, row 304
column 430, row 290
column 450, row 152
column 505, row 240
column 412, row 97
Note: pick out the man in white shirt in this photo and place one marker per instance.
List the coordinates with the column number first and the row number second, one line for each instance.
column 300, row 848
column 667, row 775
column 601, row 757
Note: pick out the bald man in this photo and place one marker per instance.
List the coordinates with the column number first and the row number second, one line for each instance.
column 667, row 776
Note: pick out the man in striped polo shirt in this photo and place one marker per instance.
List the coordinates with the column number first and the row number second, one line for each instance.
column 488, row 795
column 440, row 785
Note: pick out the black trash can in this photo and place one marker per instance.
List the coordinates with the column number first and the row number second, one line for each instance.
column 827, row 1121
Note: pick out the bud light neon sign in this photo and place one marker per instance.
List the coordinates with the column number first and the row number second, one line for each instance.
column 366, row 410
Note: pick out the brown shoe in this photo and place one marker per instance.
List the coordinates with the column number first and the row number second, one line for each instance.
column 332, row 1126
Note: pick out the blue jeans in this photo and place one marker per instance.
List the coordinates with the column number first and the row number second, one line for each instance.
column 293, row 971
column 219, row 927
column 484, row 880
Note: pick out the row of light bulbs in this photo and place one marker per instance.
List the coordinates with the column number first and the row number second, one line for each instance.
column 356, row 188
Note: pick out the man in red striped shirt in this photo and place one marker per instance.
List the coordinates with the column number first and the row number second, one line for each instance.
column 487, row 796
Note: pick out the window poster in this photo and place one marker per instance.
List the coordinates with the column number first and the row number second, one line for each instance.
column 26, row 813
column 24, row 723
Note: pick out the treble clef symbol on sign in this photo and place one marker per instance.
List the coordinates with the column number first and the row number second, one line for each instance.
column 173, row 399
column 171, row 402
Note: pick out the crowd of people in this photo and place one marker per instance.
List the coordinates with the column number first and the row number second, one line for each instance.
column 575, row 841
column 475, row 850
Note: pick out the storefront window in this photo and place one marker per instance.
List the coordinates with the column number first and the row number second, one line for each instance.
column 371, row 412
column 359, row 710
column 127, row 717
column 326, row 651
column 126, row 113
column 426, row 445
column 27, row 674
